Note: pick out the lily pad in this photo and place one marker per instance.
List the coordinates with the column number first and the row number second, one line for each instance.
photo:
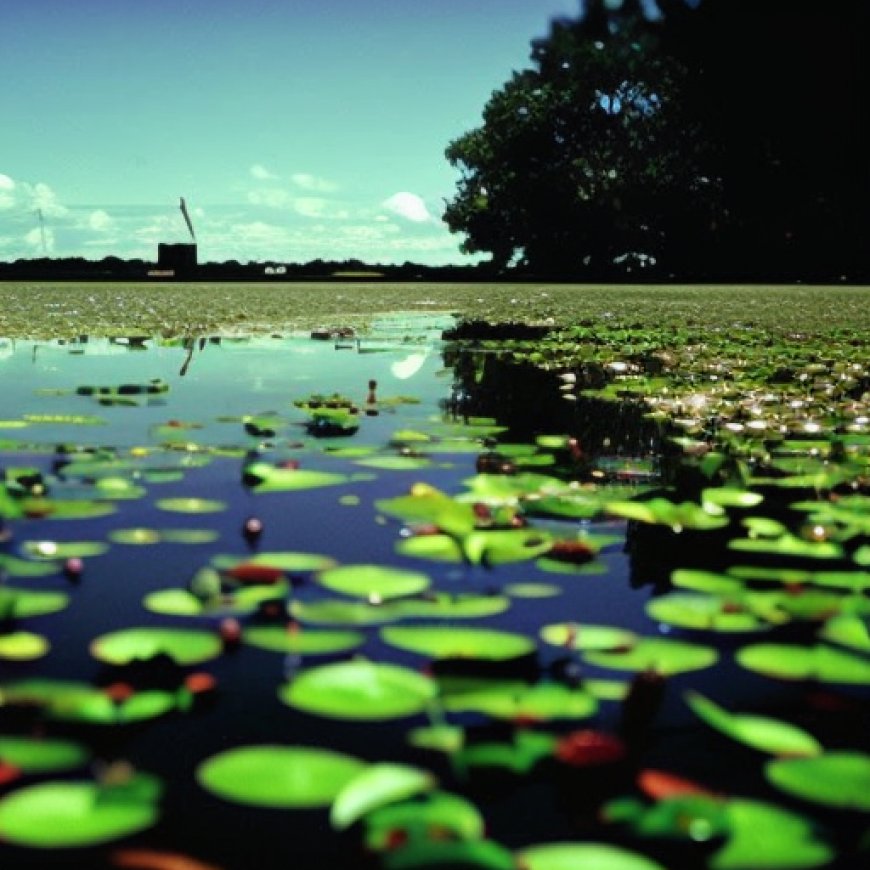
column 849, row 631
column 291, row 777
column 54, row 550
column 703, row 612
column 378, row 786
column 184, row 646
column 59, row 815
column 289, row 562
column 532, row 590
column 22, row 646
column 21, row 603
column 836, row 779
column 37, row 755
column 135, row 536
column 373, row 581
column 191, row 505
column 392, row 462
column 542, row 702
column 793, row 662
column 268, row 478
column 296, row 640
column 423, row 819
column 360, row 689
column 663, row 655
column 757, row 732
column 444, row 641
column 589, row 856
column 181, row 602
column 573, row 635
column 12, row 566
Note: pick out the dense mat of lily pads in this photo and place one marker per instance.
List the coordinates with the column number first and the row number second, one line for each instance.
column 416, row 641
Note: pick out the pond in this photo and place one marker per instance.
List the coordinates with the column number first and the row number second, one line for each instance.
column 251, row 624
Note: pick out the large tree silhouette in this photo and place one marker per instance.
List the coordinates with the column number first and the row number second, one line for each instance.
column 714, row 140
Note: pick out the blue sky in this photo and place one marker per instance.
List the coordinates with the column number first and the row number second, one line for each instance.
column 294, row 129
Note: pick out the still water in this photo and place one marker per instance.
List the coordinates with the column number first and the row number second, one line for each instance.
column 190, row 441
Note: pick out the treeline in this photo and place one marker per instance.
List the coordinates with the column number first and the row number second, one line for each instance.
column 118, row 269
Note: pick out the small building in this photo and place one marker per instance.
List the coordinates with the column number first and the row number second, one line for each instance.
column 180, row 258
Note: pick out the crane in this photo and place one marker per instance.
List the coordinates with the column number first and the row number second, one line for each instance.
column 187, row 219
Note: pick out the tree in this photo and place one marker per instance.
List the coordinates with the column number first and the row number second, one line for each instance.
column 714, row 139
column 587, row 163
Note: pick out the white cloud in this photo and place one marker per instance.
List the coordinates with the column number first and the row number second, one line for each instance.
column 306, row 181
column 7, row 192
column 409, row 206
column 34, row 240
column 100, row 221
column 260, row 172
column 271, row 197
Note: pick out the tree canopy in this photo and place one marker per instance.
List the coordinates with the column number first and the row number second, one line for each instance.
column 714, row 139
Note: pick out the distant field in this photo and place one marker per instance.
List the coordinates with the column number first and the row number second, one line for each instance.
column 46, row 310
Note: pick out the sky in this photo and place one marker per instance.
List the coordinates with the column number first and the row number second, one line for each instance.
column 294, row 129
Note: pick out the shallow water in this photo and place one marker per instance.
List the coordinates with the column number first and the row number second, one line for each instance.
column 214, row 384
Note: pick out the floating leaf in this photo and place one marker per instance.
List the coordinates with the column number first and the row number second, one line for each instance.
column 441, row 738
column 291, row 777
column 267, row 478
column 395, row 463
column 793, row 662
column 589, row 856
column 359, row 689
column 21, row 603
column 59, row 815
column 703, row 612
column 22, row 646
column 423, row 819
column 12, row 566
column 532, row 590
column 850, row 631
column 289, row 562
column 458, row 642
column 515, row 701
column 757, row 732
column 191, row 505
column 377, row 786
column 54, row 550
column 572, row 635
column 706, row 581
column 40, row 755
column 135, row 537
column 181, row 602
column 837, row 779
column 301, row 641
column 663, row 655
column 373, row 581
column 660, row 511
column 185, row 646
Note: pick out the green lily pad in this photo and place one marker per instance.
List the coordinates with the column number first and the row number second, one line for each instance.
column 793, row 662
column 706, row 581
column 788, row 545
column 60, row 815
column 458, row 642
column 436, row 854
column 836, row 779
column 378, row 581
column 338, row 612
column 661, row 512
column 663, row 655
column 21, row 603
column 301, row 641
column 378, row 786
column 191, row 505
column 359, row 689
column 185, row 646
column 846, row 630
column 589, row 856
column 392, row 462
column 696, row 610
column 439, row 738
column 38, row 755
column 135, row 537
column 291, row 777
column 757, row 732
column 12, row 566
column 181, row 602
column 436, row 548
column 22, row 646
column 728, row 497
column 48, row 551
column 572, row 635
column 420, row 818
column 542, row 702
column 289, row 562
column 80, row 702
column 532, row 590
column 58, row 509
column 444, row 605
column 764, row 835
column 188, row 536
column 272, row 479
